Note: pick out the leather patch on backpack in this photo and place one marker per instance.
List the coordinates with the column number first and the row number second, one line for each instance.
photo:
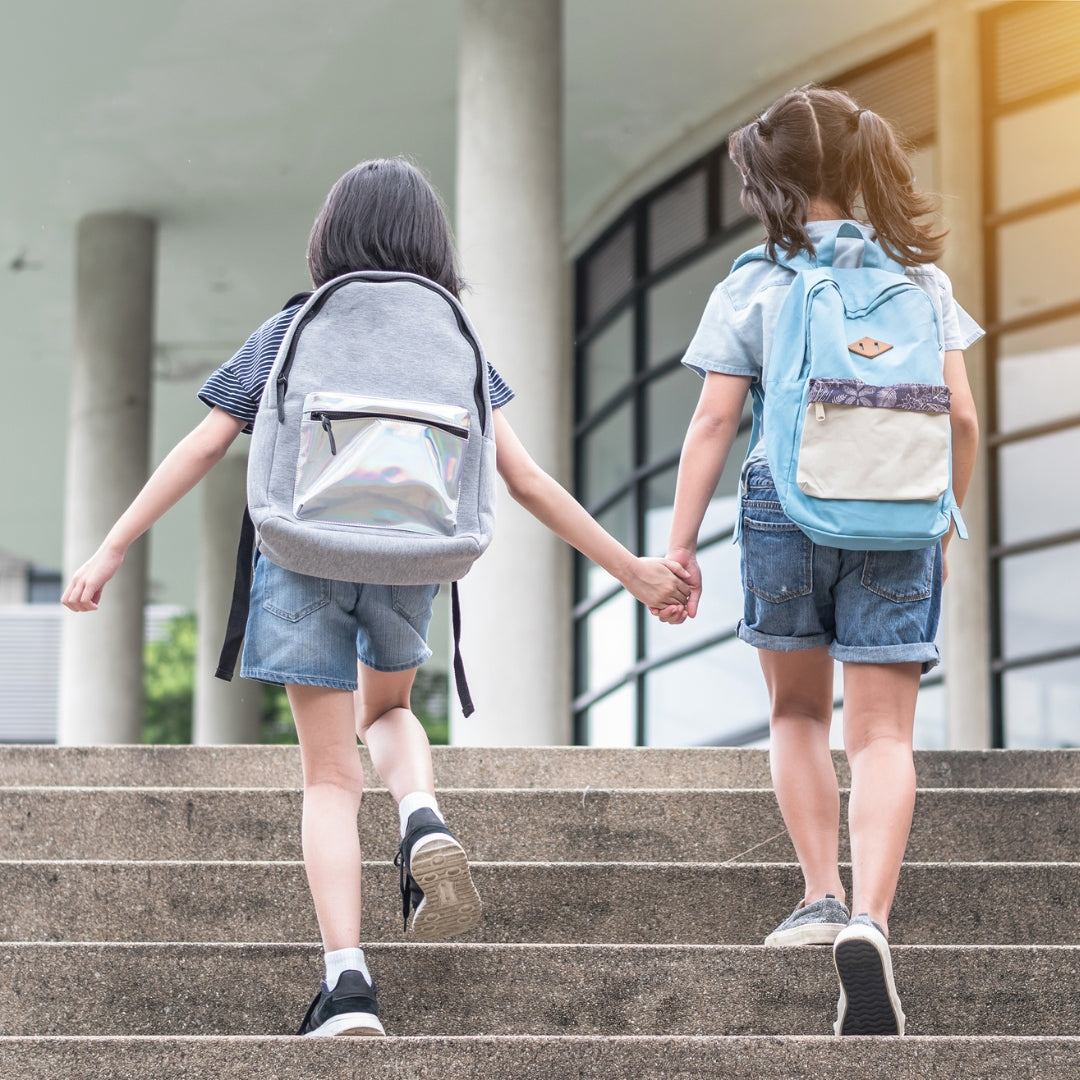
column 867, row 346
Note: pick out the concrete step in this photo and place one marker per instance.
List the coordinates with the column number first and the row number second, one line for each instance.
column 544, row 1057
column 464, row 989
column 495, row 826
column 567, row 903
column 506, row 767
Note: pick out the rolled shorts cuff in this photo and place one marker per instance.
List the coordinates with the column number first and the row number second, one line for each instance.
column 926, row 653
column 781, row 644
column 280, row 678
column 389, row 668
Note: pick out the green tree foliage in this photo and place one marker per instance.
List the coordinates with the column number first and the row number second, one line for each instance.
column 169, row 684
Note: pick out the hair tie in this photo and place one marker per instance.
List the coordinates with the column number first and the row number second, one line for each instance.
column 853, row 119
column 763, row 126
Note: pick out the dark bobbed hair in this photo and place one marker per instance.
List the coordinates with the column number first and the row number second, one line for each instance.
column 817, row 142
column 383, row 215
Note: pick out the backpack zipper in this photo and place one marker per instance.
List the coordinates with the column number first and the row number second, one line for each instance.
column 327, row 418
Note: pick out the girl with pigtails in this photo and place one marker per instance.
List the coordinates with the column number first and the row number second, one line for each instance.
column 807, row 163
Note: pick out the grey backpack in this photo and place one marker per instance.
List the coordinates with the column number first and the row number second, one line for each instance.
column 372, row 455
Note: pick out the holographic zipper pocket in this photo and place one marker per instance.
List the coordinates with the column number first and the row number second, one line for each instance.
column 380, row 463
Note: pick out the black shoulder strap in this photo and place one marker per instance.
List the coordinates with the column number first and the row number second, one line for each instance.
column 241, row 596
column 464, row 696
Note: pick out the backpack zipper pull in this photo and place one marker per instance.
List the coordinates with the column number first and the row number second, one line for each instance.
column 819, row 411
column 329, row 429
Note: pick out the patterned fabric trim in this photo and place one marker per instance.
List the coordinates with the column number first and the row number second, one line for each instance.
column 915, row 397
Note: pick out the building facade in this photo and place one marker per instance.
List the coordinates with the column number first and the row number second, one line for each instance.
column 594, row 215
column 642, row 283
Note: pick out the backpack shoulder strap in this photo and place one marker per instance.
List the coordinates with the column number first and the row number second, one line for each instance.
column 241, row 599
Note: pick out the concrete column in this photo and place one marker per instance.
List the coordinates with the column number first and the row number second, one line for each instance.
column 101, row 693
column 967, row 644
column 516, row 600
column 225, row 712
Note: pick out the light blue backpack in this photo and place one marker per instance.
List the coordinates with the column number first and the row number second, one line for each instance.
column 855, row 416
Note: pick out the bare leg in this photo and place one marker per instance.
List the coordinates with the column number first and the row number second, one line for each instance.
column 879, row 715
column 333, row 784
column 800, row 688
column 395, row 739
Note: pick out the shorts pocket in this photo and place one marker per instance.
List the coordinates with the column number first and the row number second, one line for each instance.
column 413, row 601
column 292, row 596
column 777, row 560
column 901, row 576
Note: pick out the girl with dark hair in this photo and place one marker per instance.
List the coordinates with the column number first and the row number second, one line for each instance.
column 805, row 163
column 381, row 215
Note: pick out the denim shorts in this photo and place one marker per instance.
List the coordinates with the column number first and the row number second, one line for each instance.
column 312, row 631
column 869, row 607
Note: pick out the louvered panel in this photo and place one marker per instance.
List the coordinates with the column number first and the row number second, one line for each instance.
column 1037, row 49
column 29, row 670
column 902, row 89
column 609, row 274
column 678, row 220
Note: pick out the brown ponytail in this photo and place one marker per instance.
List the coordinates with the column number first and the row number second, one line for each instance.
column 887, row 184
column 815, row 142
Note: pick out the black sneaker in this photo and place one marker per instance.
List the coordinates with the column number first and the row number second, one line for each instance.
column 349, row 1009
column 438, row 898
column 868, row 1004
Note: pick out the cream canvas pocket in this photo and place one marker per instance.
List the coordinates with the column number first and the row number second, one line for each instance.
column 885, row 443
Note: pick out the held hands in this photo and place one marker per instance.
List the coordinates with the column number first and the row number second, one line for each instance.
column 84, row 590
column 657, row 583
column 679, row 613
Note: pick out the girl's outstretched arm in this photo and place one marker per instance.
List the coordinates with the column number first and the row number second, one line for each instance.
column 712, row 430
column 184, row 466
column 655, row 582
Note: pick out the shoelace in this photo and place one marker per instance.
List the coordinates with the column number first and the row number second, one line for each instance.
column 406, row 885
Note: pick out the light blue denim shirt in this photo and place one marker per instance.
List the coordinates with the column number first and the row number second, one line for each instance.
column 735, row 333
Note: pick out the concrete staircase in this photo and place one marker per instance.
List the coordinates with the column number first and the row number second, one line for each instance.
column 155, row 922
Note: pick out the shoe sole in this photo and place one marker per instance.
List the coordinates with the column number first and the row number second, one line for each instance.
column 810, row 934
column 869, row 1004
column 451, row 904
column 348, row 1024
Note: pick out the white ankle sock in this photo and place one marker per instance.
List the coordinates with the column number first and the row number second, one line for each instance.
column 344, row 960
column 414, row 801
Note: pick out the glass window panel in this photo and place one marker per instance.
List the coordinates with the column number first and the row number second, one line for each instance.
column 660, row 499
column 612, row 721
column 607, row 454
column 609, row 362
column 1032, row 360
column 1037, row 268
column 924, row 164
column 1038, row 152
column 607, row 642
column 678, row 221
column 929, row 733
column 617, row 519
column 711, row 697
column 721, row 512
column 675, row 305
column 1042, row 705
column 1041, row 600
column 670, row 403
column 1028, row 508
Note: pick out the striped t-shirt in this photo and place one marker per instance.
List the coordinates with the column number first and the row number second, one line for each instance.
column 237, row 386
